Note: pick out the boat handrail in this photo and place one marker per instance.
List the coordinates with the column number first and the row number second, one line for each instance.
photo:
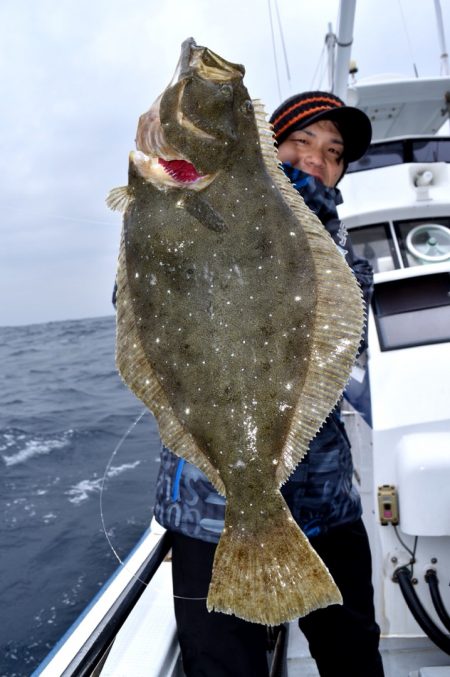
column 88, row 654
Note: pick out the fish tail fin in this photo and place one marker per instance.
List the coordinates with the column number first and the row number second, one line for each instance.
column 270, row 576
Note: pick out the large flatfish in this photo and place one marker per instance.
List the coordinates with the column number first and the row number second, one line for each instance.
column 238, row 321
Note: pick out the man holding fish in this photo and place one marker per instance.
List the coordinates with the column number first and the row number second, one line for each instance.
column 317, row 137
column 238, row 322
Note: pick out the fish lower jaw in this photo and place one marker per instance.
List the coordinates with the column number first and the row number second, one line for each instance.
column 167, row 173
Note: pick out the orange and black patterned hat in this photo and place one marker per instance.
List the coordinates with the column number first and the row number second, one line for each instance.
column 303, row 109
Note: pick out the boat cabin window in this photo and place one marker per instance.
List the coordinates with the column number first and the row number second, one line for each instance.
column 431, row 151
column 375, row 243
column 388, row 153
column 412, row 312
column 421, row 242
column 381, row 155
column 401, row 244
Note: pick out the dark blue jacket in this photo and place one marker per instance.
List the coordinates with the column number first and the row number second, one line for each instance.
column 319, row 493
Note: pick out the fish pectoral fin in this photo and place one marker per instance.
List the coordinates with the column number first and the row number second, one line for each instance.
column 201, row 210
column 119, row 199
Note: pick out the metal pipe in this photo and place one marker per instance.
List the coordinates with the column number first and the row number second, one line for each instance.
column 403, row 576
column 344, row 47
column 440, row 26
column 433, row 583
column 330, row 42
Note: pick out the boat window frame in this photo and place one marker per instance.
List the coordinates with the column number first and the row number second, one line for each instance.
column 406, row 151
column 380, row 315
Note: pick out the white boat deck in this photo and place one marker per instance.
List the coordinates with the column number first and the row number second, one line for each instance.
column 146, row 646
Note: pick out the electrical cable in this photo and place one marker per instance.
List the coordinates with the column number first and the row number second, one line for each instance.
column 433, row 584
column 403, row 576
column 408, row 550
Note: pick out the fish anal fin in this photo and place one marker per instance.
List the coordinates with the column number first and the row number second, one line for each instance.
column 338, row 321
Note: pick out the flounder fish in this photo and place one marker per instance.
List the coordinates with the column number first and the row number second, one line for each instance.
column 238, row 321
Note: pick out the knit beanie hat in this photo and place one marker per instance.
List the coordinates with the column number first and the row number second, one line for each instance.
column 303, row 109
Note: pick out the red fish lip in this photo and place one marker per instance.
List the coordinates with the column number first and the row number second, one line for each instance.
column 180, row 170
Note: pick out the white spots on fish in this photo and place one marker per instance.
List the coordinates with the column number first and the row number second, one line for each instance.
column 283, row 406
column 157, row 340
column 297, row 298
column 288, row 386
column 152, row 280
column 292, row 234
column 187, row 411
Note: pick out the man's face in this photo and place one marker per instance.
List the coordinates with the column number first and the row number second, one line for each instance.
column 317, row 149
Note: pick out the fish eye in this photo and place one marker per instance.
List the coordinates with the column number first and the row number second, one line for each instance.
column 247, row 106
column 226, row 91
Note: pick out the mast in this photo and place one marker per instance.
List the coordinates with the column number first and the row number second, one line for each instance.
column 344, row 40
column 440, row 27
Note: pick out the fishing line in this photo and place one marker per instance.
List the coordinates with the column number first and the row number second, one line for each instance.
column 102, row 486
column 318, row 77
column 274, row 51
column 408, row 40
column 280, row 28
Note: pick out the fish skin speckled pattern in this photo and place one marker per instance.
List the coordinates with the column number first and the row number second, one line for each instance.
column 238, row 323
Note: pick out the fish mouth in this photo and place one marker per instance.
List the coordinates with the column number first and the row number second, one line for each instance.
column 173, row 172
column 181, row 171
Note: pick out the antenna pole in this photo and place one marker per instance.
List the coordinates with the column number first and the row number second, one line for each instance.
column 344, row 47
column 440, row 26
column 330, row 42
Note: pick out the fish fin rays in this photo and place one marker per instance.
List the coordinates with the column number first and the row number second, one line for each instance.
column 269, row 577
column 338, row 323
column 138, row 375
column 119, row 199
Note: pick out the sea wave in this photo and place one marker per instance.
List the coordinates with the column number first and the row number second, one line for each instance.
column 31, row 446
column 83, row 490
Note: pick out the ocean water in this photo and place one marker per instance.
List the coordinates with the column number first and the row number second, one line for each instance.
column 63, row 413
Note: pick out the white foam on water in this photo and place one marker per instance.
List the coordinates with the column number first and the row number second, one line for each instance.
column 32, row 447
column 81, row 491
column 84, row 489
column 118, row 470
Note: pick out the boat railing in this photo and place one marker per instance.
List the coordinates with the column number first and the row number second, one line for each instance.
column 86, row 644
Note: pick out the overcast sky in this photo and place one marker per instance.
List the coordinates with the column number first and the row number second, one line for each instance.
column 75, row 76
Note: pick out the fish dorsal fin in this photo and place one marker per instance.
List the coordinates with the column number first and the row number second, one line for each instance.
column 338, row 321
column 119, row 199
